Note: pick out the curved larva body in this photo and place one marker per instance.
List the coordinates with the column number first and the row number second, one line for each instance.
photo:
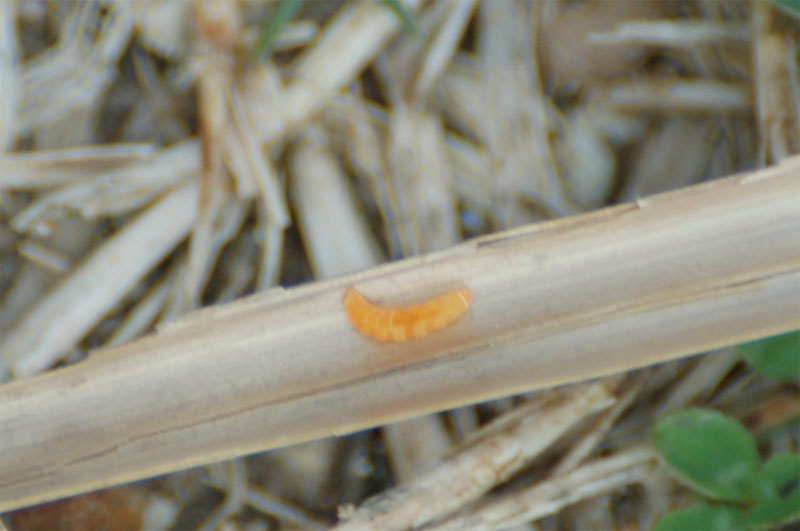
column 410, row 322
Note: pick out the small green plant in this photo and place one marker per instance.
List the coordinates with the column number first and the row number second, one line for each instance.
column 406, row 17
column 284, row 11
column 717, row 457
column 777, row 356
column 791, row 7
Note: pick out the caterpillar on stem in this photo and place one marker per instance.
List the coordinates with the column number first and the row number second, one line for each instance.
column 409, row 322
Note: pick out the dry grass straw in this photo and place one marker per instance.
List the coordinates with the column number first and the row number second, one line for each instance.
column 147, row 168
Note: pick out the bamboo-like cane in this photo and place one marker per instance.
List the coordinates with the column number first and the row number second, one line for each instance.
column 620, row 288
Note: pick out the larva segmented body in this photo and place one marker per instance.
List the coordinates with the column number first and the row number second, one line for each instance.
column 410, row 322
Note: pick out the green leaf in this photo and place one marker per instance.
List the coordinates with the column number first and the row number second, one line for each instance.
column 705, row 517
column 711, row 452
column 792, row 7
column 778, row 492
column 777, row 356
column 399, row 8
column 280, row 16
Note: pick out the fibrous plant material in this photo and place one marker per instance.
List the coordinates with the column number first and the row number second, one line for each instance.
column 290, row 360
column 353, row 143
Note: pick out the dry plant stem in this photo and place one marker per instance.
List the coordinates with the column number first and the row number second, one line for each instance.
column 235, row 485
column 460, row 95
column 470, row 165
column 700, row 382
column 421, row 182
column 654, row 166
column 9, row 74
column 144, row 313
column 335, row 234
column 600, row 427
column 496, row 453
column 521, row 157
column 51, row 261
column 161, row 25
column 674, row 33
column 217, row 25
column 777, row 87
column 93, row 288
column 699, row 96
column 337, row 242
column 414, row 443
column 779, row 410
column 548, row 497
column 562, row 301
column 81, row 68
column 46, row 168
column 361, row 134
column 112, row 191
column 30, row 283
column 274, row 506
column 442, row 47
column 249, row 106
column 354, row 36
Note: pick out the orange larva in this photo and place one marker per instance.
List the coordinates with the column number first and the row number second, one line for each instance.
column 410, row 322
